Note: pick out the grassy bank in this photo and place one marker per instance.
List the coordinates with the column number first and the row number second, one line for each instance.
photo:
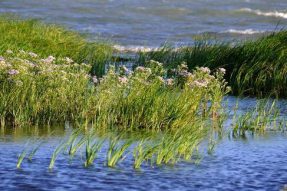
column 256, row 68
column 45, row 40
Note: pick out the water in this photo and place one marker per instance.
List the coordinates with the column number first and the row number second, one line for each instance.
column 258, row 163
column 149, row 23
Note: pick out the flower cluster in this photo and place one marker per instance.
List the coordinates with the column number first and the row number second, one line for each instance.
column 48, row 85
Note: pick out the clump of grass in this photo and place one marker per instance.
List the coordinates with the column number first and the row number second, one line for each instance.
column 253, row 68
column 147, row 99
column 264, row 117
column 116, row 150
column 45, row 40
column 35, row 90
column 91, row 151
column 48, row 90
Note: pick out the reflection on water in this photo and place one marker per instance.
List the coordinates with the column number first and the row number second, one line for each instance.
column 14, row 134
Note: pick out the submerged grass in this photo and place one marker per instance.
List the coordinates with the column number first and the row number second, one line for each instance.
column 45, row 40
column 252, row 68
column 263, row 118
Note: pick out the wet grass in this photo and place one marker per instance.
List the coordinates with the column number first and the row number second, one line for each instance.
column 45, row 40
column 265, row 117
column 254, row 68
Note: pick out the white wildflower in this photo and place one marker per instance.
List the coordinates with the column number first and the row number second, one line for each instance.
column 123, row 80
column 48, row 60
column 69, row 60
column 169, row 82
column 205, row 69
column 13, row 72
column 9, row 52
column 32, row 54
column 95, row 79
column 201, row 83
column 222, row 70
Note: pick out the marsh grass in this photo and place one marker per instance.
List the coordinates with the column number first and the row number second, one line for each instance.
column 55, row 154
column 47, row 39
column 116, row 150
column 263, row 118
column 256, row 68
column 92, row 148
column 21, row 157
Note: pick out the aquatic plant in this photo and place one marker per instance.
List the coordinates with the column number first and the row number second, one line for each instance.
column 264, row 117
column 116, row 150
column 21, row 157
column 46, row 39
column 91, row 150
column 255, row 67
column 35, row 90
column 55, row 154
column 146, row 99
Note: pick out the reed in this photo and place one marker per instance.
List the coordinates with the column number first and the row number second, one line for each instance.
column 256, row 68
column 116, row 151
column 91, row 151
column 265, row 117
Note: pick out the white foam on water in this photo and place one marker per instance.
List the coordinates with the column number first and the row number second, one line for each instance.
column 134, row 48
column 267, row 14
column 246, row 31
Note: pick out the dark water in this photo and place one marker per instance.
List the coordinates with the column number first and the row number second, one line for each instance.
column 149, row 23
column 258, row 163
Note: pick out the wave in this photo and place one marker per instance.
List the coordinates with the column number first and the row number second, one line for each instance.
column 267, row 14
column 246, row 31
column 134, row 48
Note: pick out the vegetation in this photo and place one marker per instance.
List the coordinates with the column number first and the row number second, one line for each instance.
column 42, row 91
column 252, row 68
column 178, row 104
column 265, row 117
column 45, row 40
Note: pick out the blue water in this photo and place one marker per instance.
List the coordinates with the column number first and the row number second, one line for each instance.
column 258, row 163
column 149, row 23
column 255, row 163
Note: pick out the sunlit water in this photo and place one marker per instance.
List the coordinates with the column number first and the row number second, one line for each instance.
column 258, row 163
column 135, row 23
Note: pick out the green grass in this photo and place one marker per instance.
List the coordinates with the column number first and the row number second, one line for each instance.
column 45, row 40
column 256, row 68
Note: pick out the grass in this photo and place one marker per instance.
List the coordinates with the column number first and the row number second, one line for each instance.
column 45, row 40
column 50, row 90
column 256, row 68
column 263, row 118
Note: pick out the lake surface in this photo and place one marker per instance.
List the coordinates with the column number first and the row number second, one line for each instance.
column 149, row 23
column 256, row 163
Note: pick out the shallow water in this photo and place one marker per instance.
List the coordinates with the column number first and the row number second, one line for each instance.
column 256, row 163
column 134, row 23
